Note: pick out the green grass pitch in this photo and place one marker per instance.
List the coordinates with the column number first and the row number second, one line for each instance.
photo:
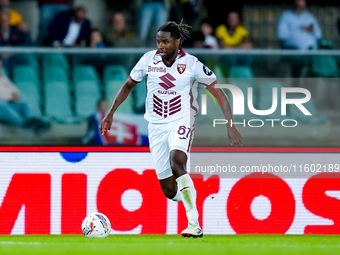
column 171, row 244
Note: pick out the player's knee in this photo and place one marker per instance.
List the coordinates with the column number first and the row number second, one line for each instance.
column 168, row 192
column 178, row 161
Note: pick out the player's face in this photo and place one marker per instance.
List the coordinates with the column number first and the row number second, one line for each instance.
column 166, row 45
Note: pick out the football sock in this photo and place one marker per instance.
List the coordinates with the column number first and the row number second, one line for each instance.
column 178, row 196
column 188, row 194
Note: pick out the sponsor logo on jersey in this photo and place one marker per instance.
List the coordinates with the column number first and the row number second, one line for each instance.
column 181, row 68
column 167, row 81
column 155, row 63
column 156, row 69
column 166, row 108
column 207, row 71
column 166, row 92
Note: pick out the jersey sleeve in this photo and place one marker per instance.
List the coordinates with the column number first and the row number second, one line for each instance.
column 203, row 74
column 138, row 72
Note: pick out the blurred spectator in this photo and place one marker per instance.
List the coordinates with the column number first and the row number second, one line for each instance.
column 98, row 61
column 152, row 15
column 186, row 10
column 210, row 41
column 298, row 28
column 176, row 12
column 119, row 34
column 121, row 5
column 232, row 34
column 71, row 29
column 196, row 40
column 93, row 136
column 14, row 112
column 216, row 10
column 190, row 12
column 96, row 39
column 15, row 18
column 48, row 9
column 12, row 36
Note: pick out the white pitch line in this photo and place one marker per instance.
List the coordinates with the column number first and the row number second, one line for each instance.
column 25, row 243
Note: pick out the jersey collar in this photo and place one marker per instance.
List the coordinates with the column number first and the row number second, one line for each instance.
column 181, row 53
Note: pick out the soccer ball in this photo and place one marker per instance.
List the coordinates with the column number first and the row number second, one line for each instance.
column 96, row 225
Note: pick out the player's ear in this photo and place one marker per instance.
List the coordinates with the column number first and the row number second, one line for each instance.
column 178, row 42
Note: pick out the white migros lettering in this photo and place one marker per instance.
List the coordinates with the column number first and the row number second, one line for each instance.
column 156, row 69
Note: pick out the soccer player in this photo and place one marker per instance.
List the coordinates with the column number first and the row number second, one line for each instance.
column 171, row 105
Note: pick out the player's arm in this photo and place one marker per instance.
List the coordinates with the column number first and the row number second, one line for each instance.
column 234, row 135
column 122, row 94
column 201, row 74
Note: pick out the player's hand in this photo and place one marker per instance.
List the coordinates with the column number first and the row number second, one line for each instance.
column 234, row 136
column 106, row 123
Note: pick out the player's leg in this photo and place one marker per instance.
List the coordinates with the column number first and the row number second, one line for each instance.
column 158, row 140
column 180, row 138
column 186, row 188
column 178, row 162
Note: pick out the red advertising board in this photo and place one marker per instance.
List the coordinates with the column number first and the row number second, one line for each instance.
column 49, row 190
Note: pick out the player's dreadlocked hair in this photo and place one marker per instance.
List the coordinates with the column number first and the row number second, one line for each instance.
column 178, row 31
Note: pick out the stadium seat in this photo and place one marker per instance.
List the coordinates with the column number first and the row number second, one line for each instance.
column 219, row 72
column 295, row 113
column 241, row 75
column 324, row 67
column 87, row 95
column 58, row 101
column 111, row 89
column 55, row 74
column 139, row 95
column 115, row 72
column 240, row 72
column 33, row 62
column 87, row 90
column 114, row 77
column 30, row 94
column 56, row 60
column 25, row 74
column 265, row 98
column 243, row 78
column 85, row 73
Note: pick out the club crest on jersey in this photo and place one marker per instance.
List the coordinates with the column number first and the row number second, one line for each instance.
column 181, row 68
